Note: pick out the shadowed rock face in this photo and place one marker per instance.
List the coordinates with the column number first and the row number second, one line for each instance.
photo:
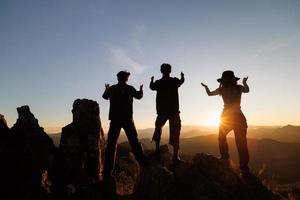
column 82, row 145
column 4, row 134
column 206, row 177
column 4, row 139
column 30, row 151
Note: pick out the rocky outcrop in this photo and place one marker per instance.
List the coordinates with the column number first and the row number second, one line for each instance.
column 205, row 177
column 29, row 153
column 4, row 139
column 34, row 169
column 4, row 134
column 81, row 148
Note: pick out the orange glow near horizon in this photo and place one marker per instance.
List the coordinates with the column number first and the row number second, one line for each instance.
column 212, row 119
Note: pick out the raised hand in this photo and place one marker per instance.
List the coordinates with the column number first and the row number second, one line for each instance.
column 245, row 80
column 152, row 78
column 141, row 87
column 107, row 86
column 204, row 85
column 182, row 74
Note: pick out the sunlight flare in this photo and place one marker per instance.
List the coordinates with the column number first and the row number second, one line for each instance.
column 213, row 119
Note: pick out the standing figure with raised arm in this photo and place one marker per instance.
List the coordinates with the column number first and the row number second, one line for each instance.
column 120, row 114
column 167, row 107
column 232, row 117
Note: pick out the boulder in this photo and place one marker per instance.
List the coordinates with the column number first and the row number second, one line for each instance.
column 205, row 177
column 82, row 148
column 30, row 152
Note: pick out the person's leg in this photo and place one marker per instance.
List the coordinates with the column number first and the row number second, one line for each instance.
column 175, row 126
column 241, row 143
column 223, row 146
column 136, row 146
column 110, row 151
column 159, row 123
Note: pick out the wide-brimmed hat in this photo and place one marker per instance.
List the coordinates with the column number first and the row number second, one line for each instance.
column 228, row 76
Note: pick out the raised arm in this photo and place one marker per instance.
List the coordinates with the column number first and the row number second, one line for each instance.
column 138, row 94
column 211, row 93
column 245, row 89
column 153, row 85
column 182, row 78
column 106, row 92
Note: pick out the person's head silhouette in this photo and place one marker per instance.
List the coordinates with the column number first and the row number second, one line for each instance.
column 165, row 69
column 228, row 78
column 123, row 76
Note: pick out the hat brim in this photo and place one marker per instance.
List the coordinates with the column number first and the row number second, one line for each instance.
column 224, row 79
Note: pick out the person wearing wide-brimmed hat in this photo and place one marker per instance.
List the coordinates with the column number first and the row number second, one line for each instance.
column 232, row 117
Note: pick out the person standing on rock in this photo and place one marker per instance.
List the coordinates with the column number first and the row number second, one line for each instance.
column 232, row 117
column 167, row 107
column 121, row 97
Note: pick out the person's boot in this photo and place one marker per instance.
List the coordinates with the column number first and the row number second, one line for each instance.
column 157, row 153
column 177, row 161
column 245, row 172
column 225, row 162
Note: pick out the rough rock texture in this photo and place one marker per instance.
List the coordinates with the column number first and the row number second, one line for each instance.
column 4, row 134
column 126, row 172
column 4, row 139
column 206, row 177
column 29, row 153
column 81, row 148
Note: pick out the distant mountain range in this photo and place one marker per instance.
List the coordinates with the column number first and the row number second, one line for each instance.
column 275, row 149
column 278, row 161
column 287, row 133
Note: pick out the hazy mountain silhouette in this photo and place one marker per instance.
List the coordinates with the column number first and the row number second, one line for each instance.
column 278, row 155
column 280, row 159
column 287, row 133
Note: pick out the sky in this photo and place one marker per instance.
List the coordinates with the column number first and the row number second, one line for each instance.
column 55, row 51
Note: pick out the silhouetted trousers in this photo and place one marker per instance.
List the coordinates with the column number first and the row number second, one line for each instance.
column 113, row 135
column 174, row 126
column 241, row 143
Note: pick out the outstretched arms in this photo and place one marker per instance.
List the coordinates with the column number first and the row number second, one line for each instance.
column 106, row 92
column 210, row 93
column 245, row 89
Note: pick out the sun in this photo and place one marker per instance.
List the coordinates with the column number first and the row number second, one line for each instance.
column 213, row 119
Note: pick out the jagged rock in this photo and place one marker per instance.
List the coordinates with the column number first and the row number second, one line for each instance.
column 81, row 147
column 29, row 153
column 127, row 172
column 206, row 177
column 4, row 139
column 4, row 134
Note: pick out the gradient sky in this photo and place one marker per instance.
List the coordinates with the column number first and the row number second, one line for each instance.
column 54, row 51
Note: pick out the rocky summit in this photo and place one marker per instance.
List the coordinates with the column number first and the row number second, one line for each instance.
column 34, row 169
column 205, row 177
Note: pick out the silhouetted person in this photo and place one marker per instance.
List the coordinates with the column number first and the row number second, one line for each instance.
column 120, row 113
column 232, row 117
column 167, row 107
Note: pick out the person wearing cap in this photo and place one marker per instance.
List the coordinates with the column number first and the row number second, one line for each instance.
column 167, row 107
column 121, row 97
column 232, row 117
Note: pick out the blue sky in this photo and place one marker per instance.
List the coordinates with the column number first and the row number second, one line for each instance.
column 54, row 51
